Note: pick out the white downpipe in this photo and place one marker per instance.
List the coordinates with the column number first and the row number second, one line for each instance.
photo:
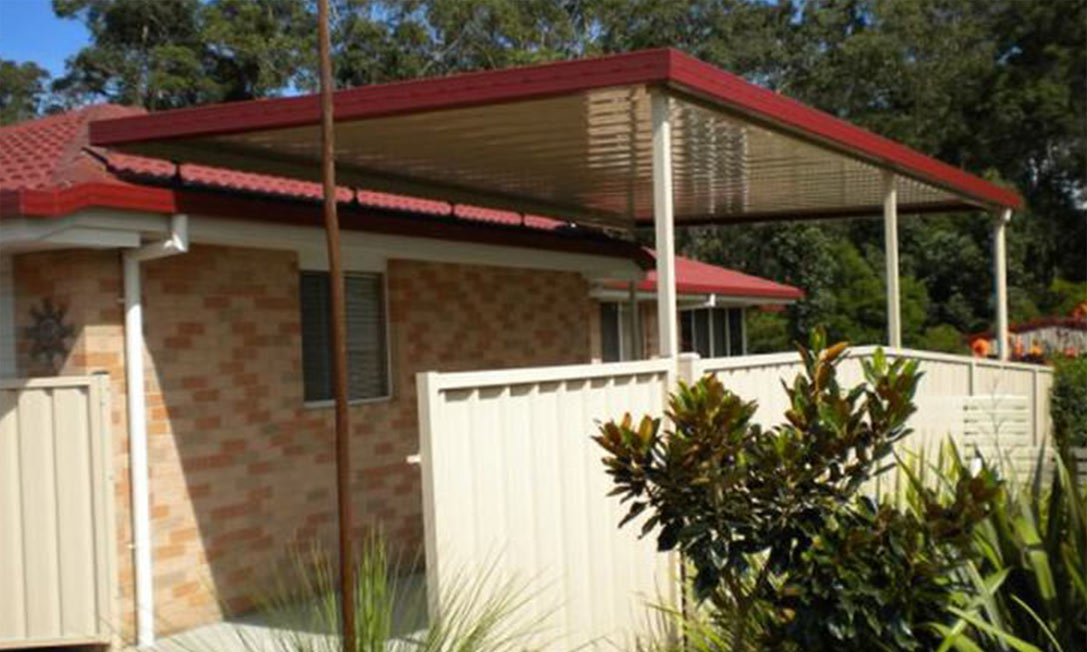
column 890, row 243
column 176, row 243
column 668, row 330
column 1000, row 273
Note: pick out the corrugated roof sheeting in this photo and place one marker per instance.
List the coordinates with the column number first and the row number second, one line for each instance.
column 585, row 155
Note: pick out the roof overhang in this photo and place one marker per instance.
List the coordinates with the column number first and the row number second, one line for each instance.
column 22, row 228
column 572, row 140
column 688, row 298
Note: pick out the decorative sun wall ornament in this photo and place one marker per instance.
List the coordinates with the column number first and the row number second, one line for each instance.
column 49, row 334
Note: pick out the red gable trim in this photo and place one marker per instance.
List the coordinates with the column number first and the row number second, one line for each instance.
column 517, row 84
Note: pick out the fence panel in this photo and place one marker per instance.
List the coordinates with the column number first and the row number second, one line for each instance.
column 55, row 530
column 513, row 485
column 955, row 396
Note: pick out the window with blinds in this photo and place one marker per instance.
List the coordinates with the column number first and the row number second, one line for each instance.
column 367, row 349
column 712, row 332
column 616, row 336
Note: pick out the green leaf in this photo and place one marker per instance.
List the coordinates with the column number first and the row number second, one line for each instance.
column 1017, row 643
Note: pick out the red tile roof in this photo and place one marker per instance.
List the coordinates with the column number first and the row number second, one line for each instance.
column 53, row 153
column 47, row 168
column 695, row 277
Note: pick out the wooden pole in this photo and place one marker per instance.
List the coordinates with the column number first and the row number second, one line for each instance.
column 339, row 333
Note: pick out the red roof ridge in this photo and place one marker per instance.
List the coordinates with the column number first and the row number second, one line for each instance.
column 48, row 152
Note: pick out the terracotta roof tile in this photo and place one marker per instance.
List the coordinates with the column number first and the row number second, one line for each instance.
column 696, row 277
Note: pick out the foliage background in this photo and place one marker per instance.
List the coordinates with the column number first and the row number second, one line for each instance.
column 1068, row 402
column 998, row 87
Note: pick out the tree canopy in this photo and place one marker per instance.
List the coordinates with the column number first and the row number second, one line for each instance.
column 22, row 89
column 998, row 87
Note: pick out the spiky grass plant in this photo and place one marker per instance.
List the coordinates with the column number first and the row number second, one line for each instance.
column 1027, row 588
column 299, row 611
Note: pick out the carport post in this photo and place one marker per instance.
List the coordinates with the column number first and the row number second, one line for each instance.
column 667, row 330
column 890, row 243
column 637, row 346
column 1000, row 280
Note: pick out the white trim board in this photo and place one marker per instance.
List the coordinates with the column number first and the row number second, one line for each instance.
column 359, row 248
column 688, row 301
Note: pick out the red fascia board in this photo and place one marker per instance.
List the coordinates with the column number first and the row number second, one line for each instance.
column 730, row 90
column 648, row 67
column 57, row 202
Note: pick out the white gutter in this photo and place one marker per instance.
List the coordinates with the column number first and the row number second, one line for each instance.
column 176, row 243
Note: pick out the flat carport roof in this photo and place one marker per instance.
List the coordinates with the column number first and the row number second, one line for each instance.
column 573, row 140
column 647, row 137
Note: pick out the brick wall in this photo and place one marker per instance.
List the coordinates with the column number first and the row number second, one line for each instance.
column 87, row 286
column 240, row 467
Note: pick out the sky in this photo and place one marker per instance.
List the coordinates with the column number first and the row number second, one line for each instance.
column 30, row 32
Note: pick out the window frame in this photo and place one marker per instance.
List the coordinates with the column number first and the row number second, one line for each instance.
column 711, row 322
column 390, row 392
column 622, row 323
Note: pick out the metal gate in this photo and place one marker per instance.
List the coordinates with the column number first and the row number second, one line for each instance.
column 56, row 529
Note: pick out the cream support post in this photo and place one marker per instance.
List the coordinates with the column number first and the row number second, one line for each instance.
column 664, row 222
column 890, row 241
column 1000, row 280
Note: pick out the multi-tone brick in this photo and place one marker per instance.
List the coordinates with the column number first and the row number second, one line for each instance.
column 240, row 467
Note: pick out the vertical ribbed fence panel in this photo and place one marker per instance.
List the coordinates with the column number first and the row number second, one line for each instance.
column 55, row 532
column 985, row 404
column 514, row 489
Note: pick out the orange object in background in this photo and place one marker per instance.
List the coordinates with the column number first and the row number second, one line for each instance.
column 980, row 347
column 1080, row 311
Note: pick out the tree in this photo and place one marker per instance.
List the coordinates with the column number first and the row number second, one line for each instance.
column 22, row 90
column 163, row 54
column 772, row 520
column 999, row 88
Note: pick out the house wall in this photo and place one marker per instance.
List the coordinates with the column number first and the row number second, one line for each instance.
column 240, row 467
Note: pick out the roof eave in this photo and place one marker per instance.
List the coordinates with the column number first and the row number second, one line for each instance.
column 57, row 202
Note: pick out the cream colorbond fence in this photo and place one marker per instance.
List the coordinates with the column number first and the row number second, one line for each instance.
column 999, row 408
column 55, row 513
column 512, row 482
